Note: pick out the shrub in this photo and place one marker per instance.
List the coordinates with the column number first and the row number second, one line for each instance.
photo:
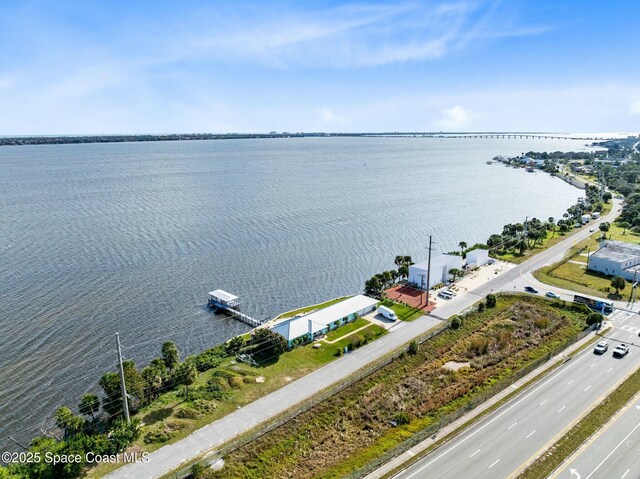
column 481, row 307
column 491, row 301
column 594, row 318
column 236, row 382
column 402, row 418
column 413, row 347
column 541, row 323
column 338, row 352
column 479, row 346
column 456, row 322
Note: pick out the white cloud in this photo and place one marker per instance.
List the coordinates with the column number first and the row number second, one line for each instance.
column 455, row 118
column 635, row 107
column 350, row 35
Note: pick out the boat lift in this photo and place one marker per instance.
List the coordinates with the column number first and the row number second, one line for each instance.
column 221, row 300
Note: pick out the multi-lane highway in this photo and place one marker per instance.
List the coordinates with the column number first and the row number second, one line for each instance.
column 614, row 453
column 502, row 443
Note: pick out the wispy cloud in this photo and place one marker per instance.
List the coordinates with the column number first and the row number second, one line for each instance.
column 352, row 35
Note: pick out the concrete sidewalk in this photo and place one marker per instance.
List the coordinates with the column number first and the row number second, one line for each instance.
column 418, row 448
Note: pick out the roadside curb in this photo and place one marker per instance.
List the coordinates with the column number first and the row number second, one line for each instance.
column 410, row 456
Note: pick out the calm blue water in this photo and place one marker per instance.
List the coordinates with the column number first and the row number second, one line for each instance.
column 129, row 238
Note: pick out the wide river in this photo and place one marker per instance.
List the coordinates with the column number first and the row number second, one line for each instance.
column 129, row 238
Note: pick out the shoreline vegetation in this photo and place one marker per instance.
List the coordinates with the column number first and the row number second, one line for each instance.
column 173, row 398
column 414, row 392
column 84, row 139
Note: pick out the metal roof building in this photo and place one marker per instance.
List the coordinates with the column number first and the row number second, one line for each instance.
column 617, row 258
column 323, row 320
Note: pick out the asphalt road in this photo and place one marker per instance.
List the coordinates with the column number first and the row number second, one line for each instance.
column 500, row 444
column 614, row 453
column 213, row 435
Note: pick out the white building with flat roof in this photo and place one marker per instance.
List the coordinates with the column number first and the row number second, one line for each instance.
column 440, row 267
column 476, row 258
column 300, row 329
column 617, row 258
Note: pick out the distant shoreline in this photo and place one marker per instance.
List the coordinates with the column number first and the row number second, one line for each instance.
column 86, row 139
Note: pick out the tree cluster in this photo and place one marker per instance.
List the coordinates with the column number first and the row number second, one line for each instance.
column 375, row 285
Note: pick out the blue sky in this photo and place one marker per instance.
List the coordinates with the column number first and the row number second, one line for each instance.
column 158, row 67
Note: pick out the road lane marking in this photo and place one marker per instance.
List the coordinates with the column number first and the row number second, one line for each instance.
column 562, row 408
column 474, row 453
column 570, row 382
column 592, row 365
column 512, row 425
column 623, row 476
column 530, row 434
column 588, row 387
column 609, row 370
column 613, row 450
column 494, row 463
column 552, row 377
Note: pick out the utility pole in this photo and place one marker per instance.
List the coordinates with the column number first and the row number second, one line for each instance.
column 428, row 272
column 125, row 404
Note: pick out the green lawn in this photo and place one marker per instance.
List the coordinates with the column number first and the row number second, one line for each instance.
column 404, row 312
column 576, row 277
column 313, row 307
column 346, row 329
column 168, row 411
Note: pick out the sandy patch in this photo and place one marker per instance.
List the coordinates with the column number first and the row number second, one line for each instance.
column 288, row 378
column 454, row 365
column 260, row 379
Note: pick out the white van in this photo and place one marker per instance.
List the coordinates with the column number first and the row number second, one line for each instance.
column 446, row 294
column 387, row 313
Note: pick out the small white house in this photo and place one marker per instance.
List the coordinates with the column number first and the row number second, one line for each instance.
column 440, row 267
column 476, row 258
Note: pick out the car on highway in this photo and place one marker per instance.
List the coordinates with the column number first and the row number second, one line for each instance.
column 621, row 351
column 553, row 295
column 530, row 289
column 601, row 347
column 591, row 230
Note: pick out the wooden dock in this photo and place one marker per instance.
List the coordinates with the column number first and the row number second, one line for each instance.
column 221, row 300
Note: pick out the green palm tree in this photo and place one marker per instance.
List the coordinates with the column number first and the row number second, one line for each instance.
column 463, row 246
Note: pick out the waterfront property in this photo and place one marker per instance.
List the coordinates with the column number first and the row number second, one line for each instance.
column 617, row 258
column 476, row 258
column 221, row 300
column 440, row 267
column 300, row 329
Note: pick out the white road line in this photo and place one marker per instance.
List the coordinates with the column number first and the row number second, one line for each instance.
column 494, row 463
column 588, row 387
column 553, row 377
column 475, row 453
column 609, row 370
column 614, row 450
column 592, row 365
column 512, row 425
column 570, row 382
column 562, row 408
column 530, row 434
column 624, row 475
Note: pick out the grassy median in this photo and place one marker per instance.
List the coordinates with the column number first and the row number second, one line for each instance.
column 570, row 442
column 414, row 392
